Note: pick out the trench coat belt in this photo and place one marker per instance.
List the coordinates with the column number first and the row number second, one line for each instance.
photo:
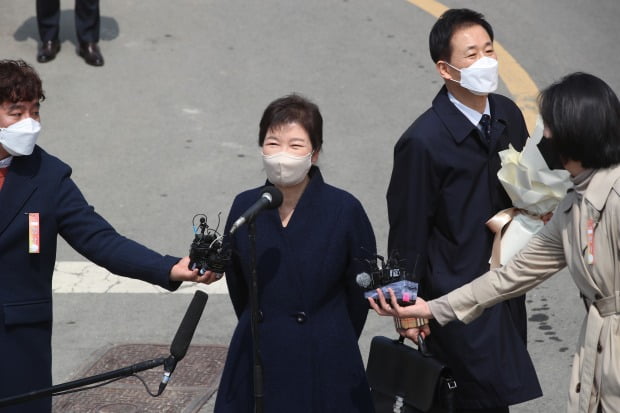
column 598, row 310
column 609, row 305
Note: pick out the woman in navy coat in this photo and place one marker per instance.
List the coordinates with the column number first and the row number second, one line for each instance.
column 308, row 252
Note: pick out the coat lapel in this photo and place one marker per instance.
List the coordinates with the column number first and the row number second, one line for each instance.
column 17, row 189
column 600, row 186
column 453, row 119
column 499, row 139
column 594, row 198
column 306, row 215
column 461, row 128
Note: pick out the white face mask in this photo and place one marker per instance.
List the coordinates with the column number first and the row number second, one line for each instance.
column 284, row 169
column 481, row 77
column 19, row 138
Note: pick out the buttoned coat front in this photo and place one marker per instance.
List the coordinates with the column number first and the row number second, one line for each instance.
column 311, row 310
column 40, row 183
column 595, row 377
column 444, row 187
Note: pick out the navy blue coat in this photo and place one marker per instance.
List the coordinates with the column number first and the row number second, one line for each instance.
column 443, row 189
column 42, row 183
column 312, row 311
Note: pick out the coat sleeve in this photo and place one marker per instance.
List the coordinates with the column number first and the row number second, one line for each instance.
column 93, row 237
column 411, row 200
column 362, row 246
column 237, row 287
column 541, row 258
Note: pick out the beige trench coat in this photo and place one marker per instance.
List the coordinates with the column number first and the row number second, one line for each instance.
column 595, row 378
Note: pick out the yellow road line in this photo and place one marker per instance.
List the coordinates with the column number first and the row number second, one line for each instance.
column 517, row 80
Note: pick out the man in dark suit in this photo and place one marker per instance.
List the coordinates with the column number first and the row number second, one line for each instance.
column 38, row 202
column 87, row 21
column 443, row 189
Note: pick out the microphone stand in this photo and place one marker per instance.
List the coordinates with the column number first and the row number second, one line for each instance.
column 178, row 348
column 258, row 363
column 50, row 391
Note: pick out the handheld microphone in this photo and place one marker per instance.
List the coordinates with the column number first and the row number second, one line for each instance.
column 270, row 198
column 391, row 274
column 364, row 280
column 184, row 335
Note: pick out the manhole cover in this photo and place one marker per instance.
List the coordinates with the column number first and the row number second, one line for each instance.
column 193, row 382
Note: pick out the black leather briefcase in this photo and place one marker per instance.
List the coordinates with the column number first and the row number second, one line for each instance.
column 408, row 380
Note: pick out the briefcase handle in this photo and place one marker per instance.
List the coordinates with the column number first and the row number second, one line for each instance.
column 422, row 348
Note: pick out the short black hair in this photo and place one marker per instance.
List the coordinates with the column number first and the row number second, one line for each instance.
column 583, row 115
column 449, row 22
column 293, row 108
column 19, row 82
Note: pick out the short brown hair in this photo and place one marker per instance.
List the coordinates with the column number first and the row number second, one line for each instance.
column 293, row 108
column 19, row 82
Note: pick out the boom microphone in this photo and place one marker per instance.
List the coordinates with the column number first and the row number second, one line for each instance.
column 270, row 198
column 184, row 335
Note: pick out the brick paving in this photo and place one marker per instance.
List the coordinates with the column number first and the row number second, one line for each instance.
column 192, row 384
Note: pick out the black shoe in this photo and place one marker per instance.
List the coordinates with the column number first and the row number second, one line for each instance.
column 91, row 54
column 48, row 51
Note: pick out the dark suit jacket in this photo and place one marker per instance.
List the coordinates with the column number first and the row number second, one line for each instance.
column 443, row 189
column 42, row 183
column 312, row 310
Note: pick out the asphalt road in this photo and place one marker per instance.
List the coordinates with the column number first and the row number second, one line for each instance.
column 168, row 128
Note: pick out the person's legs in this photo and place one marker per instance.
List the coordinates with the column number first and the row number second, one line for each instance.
column 48, row 22
column 87, row 21
column 48, row 19
column 87, row 27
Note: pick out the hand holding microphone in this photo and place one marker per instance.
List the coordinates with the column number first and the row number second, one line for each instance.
column 390, row 274
column 410, row 321
column 391, row 307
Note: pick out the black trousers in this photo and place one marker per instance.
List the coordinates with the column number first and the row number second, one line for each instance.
column 87, row 20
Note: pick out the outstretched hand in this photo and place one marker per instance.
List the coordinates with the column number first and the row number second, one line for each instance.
column 418, row 310
column 181, row 272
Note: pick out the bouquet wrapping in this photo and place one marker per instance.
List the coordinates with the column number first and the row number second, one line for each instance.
column 534, row 189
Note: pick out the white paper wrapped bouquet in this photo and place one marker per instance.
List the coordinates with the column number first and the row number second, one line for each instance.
column 534, row 189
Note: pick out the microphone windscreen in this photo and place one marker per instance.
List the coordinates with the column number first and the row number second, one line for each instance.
column 184, row 334
column 276, row 196
column 363, row 279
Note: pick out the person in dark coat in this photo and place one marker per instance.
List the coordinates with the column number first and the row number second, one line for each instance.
column 38, row 202
column 308, row 252
column 443, row 189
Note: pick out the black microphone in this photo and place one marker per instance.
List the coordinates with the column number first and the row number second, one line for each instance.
column 270, row 198
column 184, row 335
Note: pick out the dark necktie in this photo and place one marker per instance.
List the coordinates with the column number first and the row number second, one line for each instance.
column 485, row 127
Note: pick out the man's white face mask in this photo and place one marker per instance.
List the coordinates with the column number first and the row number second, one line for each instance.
column 481, row 77
column 19, row 138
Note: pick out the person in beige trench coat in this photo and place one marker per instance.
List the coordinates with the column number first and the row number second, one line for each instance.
column 582, row 119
